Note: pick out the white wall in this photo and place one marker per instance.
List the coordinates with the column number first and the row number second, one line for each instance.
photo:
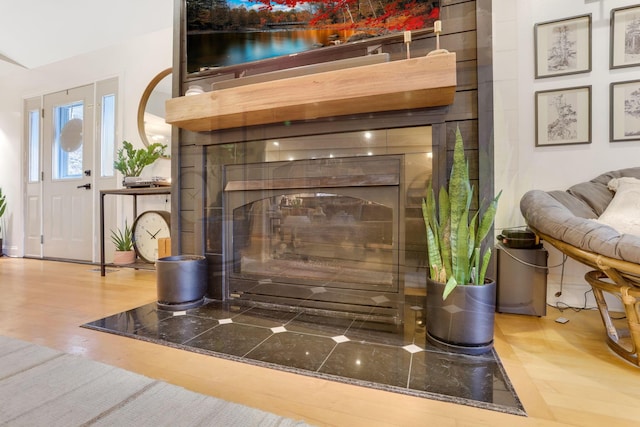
column 134, row 62
column 519, row 165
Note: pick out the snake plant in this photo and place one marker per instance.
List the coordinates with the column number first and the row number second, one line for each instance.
column 454, row 239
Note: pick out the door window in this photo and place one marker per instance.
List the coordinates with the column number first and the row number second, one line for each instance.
column 68, row 133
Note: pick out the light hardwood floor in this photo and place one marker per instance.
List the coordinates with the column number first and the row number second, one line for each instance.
column 564, row 374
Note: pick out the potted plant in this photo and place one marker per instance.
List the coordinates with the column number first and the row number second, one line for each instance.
column 123, row 240
column 131, row 161
column 3, row 207
column 460, row 300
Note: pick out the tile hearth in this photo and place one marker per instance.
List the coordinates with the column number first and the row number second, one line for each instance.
column 359, row 352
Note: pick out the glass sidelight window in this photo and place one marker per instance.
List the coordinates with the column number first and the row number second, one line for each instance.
column 34, row 145
column 108, row 134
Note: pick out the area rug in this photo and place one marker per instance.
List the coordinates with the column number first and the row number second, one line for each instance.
column 40, row 386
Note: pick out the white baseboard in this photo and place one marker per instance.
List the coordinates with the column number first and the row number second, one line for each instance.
column 11, row 251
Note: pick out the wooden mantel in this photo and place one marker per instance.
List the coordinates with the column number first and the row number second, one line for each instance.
column 428, row 81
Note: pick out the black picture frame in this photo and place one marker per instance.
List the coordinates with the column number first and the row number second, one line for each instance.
column 625, row 33
column 624, row 123
column 563, row 116
column 563, row 46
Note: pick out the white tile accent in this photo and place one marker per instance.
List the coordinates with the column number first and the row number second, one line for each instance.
column 412, row 348
column 225, row 321
column 340, row 339
column 278, row 329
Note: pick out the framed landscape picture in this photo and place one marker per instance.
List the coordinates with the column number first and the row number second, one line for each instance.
column 563, row 116
column 625, row 37
column 563, row 47
column 225, row 33
column 625, row 111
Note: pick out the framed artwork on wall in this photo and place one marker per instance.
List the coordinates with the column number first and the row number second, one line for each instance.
column 625, row 37
column 220, row 34
column 563, row 116
column 625, row 111
column 563, row 47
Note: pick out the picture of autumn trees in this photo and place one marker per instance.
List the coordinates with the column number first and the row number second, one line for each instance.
column 370, row 16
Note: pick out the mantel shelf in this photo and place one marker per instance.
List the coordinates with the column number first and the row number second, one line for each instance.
column 428, row 81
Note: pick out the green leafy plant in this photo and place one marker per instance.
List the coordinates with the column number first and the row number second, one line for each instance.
column 454, row 240
column 131, row 161
column 123, row 239
column 3, row 208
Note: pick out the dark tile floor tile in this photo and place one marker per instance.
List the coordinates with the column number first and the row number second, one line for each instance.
column 263, row 317
column 319, row 325
column 294, row 350
column 132, row 320
column 231, row 338
column 369, row 362
column 467, row 377
column 177, row 329
column 381, row 333
column 218, row 310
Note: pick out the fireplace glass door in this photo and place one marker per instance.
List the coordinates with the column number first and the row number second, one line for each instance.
column 326, row 221
column 302, row 228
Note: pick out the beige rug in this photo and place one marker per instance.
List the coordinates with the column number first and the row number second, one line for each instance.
column 40, row 386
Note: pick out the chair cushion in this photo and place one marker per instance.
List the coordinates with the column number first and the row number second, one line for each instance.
column 596, row 192
column 623, row 213
column 570, row 216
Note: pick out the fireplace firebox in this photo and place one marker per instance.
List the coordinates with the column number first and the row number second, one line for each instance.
column 336, row 231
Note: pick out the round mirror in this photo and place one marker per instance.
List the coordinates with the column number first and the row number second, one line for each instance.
column 151, row 111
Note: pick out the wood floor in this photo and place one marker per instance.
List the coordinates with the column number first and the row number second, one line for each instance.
column 564, row 374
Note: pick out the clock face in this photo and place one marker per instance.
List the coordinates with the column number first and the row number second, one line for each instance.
column 147, row 229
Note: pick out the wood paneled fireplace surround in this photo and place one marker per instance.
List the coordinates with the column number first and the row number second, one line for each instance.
column 313, row 184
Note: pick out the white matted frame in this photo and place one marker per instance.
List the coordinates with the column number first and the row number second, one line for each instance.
column 625, row 37
column 563, row 116
column 625, row 111
column 563, row 47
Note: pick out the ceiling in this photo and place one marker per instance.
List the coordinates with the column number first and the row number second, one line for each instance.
column 34, row 33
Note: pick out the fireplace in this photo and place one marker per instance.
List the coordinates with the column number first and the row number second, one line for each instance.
column 323, row 223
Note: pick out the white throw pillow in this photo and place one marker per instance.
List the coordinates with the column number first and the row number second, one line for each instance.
column 623, row 213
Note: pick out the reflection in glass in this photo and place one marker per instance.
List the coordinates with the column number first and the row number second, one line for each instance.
column 315, row 236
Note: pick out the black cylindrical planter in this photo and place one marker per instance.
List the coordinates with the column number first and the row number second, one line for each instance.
column 181, row 281
column 464, row 322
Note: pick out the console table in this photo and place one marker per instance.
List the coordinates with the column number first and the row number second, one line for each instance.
column 134, row 192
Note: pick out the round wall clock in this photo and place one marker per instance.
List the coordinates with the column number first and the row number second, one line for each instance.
column 148, row 227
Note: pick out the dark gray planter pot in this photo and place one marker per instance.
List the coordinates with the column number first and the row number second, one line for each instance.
column 464, row 322
column 181, row 281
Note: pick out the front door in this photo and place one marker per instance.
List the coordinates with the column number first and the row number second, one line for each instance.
column 68, row 174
